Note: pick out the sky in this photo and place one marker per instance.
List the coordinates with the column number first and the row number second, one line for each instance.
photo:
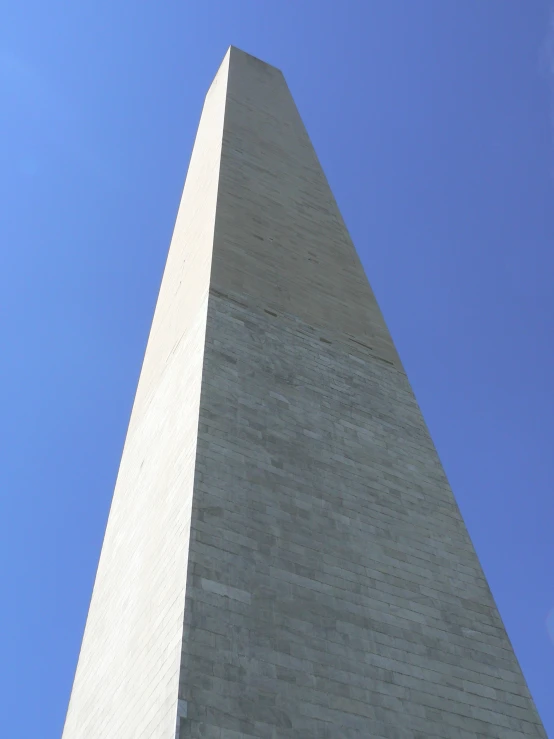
column 434, row 122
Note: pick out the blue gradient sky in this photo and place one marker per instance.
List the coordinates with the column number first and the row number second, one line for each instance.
column 434, row 123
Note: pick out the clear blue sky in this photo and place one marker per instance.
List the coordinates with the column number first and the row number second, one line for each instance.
column 434, row 121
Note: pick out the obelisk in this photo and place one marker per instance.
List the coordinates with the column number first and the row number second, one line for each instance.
column 284, row 556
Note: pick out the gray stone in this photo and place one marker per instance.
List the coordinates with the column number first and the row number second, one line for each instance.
column 284, row 556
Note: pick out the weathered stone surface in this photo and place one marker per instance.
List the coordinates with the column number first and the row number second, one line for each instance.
column 278, row 460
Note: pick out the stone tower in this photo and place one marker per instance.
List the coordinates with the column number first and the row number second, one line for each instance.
column 283, row 556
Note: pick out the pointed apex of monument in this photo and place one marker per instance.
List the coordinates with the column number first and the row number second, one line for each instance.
column 233, row 52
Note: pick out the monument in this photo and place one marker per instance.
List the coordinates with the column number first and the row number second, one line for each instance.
column 283, row 556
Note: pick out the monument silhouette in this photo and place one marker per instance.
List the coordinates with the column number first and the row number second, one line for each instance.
column 284, row 557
